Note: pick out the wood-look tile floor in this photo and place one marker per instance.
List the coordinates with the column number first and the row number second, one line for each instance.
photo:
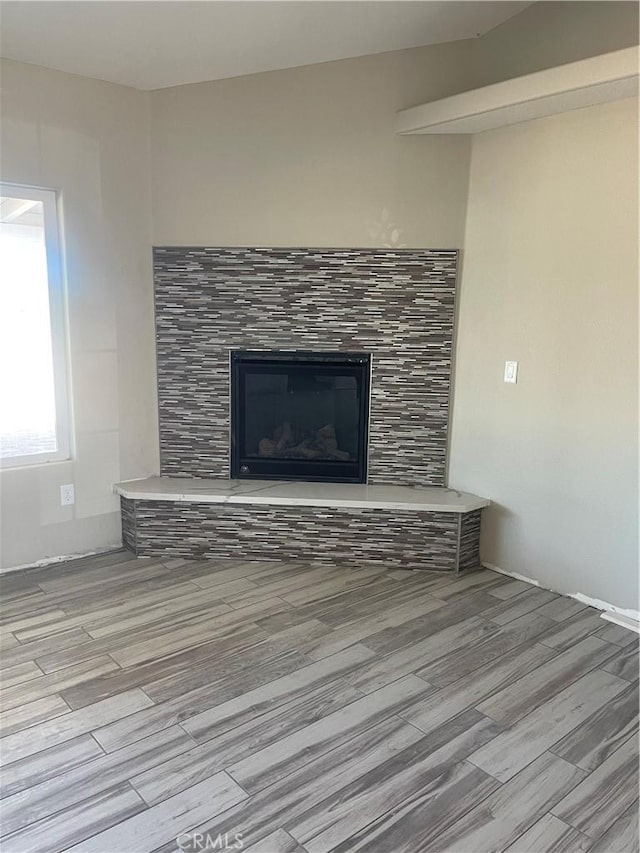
column 163, row 705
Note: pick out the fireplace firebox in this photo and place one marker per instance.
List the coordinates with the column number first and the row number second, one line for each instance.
column 300, row 416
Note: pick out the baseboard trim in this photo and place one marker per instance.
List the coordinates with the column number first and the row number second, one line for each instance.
column 514, row 575
column 626, row 618
column 623, row 621
column 610, row 610
column 52, row 561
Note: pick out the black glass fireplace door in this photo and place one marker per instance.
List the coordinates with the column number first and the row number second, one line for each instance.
column 299, row 416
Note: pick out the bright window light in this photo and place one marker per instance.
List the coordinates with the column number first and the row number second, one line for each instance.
column 34, row 422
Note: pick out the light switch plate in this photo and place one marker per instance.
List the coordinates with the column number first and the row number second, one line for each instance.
column 511, row 371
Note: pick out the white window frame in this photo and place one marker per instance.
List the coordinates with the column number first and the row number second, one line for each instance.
column 58, row 321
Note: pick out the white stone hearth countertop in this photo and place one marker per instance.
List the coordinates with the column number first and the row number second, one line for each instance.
column 278, row 492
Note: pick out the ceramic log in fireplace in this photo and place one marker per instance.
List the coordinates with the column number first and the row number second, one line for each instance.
column 300, row 416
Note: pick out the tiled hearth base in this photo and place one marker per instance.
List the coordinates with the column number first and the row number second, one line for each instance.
column 265, row 524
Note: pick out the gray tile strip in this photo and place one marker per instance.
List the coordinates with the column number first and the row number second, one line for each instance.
column 395, row 538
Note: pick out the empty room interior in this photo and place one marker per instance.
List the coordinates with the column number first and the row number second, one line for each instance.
column 319, row 426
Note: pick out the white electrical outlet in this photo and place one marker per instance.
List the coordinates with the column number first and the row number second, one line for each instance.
column 511, row 371
column 67, row 495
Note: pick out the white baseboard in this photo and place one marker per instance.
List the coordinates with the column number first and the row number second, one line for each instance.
column 623, row 621
column 509, row 574
column 621, row 616
column 51, row 561
column 610, row 609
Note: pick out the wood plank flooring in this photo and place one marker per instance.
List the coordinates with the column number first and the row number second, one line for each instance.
column 161, row 705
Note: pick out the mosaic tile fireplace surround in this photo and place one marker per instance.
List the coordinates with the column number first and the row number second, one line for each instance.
column 394, row 305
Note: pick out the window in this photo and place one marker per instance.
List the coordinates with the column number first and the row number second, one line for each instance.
column 34, row 419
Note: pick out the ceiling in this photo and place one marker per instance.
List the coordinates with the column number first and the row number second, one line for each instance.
column 153, row 45
column 20, row 211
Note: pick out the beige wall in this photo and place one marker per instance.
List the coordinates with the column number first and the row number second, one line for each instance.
column 554, row 33
column 90, row 141
column 308, row 156
column 300, row 157
column 550, row 279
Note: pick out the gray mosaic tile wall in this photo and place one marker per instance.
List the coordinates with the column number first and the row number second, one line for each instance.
column 469, row 544
column 396, row 304
column 128, row 515
column 403, row 539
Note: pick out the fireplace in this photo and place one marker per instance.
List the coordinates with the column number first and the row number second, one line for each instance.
column 300, row 416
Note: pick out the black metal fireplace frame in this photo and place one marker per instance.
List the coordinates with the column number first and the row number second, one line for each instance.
column 297, row 469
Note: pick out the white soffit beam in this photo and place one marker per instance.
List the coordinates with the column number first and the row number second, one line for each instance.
column 608, row 77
